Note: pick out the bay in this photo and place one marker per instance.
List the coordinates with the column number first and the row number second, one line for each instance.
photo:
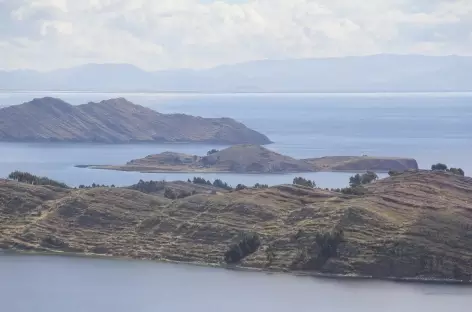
column 58, row 284
column 431, row 127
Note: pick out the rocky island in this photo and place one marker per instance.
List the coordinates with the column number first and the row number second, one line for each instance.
column 249, row 158
column 414, row 224
column 115, row 121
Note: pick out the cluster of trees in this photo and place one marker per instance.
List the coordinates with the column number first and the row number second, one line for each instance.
column 25, row 177
column 247, row 244
column 443, row 167
column 261, row 186
column 363, row 179
column 223, row 185
column 304, row 182
column 149, row 186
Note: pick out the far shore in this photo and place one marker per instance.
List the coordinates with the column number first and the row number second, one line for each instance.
column 211, row 170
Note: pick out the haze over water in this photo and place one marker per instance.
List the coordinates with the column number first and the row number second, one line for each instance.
column 431, row 127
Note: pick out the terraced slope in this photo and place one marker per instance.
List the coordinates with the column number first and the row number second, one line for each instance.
column 417, row 224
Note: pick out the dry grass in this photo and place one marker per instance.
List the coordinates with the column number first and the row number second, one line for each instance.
column 411, row 225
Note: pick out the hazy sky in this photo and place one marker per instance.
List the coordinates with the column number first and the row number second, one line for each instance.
column 161, row 34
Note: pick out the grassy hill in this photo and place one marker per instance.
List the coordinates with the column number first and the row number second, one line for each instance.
column 415, row 224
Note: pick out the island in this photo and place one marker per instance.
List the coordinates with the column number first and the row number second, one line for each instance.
column 412, row 225
column 116, row 121
column 248, row 158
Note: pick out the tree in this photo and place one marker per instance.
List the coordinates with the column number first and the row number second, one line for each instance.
column 457, row 171
column 363, row 179
column 261, row 186
column 211, row 152
column 303, row 182
column 439, row 167
column 221, row 184
column 25, row 177
column 240, row 187
column 247, row 244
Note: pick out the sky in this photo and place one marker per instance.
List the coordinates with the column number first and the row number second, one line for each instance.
column 168, row 34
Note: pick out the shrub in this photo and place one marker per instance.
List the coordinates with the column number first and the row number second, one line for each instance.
column 25, row 177
column 202, row 181
column 365, row 178
column 439, row 167
column 457, row 171
column 356, row 190
column 328, row 243
column 304, row 182
column 221, row 184
column 247, row 244
column 211, row 152
column 393, row 173
column 261, row 186
column 149, row 187
column 240, row 187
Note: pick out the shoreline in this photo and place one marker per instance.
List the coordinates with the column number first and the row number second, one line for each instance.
column 318, row 275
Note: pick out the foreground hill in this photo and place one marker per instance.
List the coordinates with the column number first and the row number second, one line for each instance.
column 256, row 159
column 416, row 224
column 115, row 121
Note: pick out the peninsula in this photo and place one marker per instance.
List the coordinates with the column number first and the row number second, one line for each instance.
column 411, row 225
column 257, row 159
column 116, row 121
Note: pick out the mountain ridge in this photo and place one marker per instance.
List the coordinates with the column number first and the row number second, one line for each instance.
column 115, row 121
column 380, row 73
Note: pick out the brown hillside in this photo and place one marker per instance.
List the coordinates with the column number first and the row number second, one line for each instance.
column 417, row 224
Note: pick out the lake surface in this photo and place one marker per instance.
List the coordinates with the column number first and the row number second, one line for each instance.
column 431, row 127
column 61, row 284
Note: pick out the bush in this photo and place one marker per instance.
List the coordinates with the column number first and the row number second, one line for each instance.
column 356, row 190
column 393, row 173
column 247, row 244
column 220, row 184
column 240, row 187
column 439, row 167
column 443, row 167
column 328, row 243
column 211, row 152
column 304, row 182
column 149, row 187
column 261, row 186
column 457, row 171
column 366, row 178
column 25, row 177
column 202, row 181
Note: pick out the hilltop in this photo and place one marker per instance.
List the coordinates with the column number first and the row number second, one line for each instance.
column 249, row 158
column 115, row 121
column 411, row 225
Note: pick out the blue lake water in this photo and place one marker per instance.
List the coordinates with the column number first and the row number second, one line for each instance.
column 59, row 284
column 432, row 127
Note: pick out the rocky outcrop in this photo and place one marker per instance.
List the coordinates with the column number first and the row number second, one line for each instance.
column 115, row 121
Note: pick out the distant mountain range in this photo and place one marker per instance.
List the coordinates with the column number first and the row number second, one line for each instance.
column 377, row 73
